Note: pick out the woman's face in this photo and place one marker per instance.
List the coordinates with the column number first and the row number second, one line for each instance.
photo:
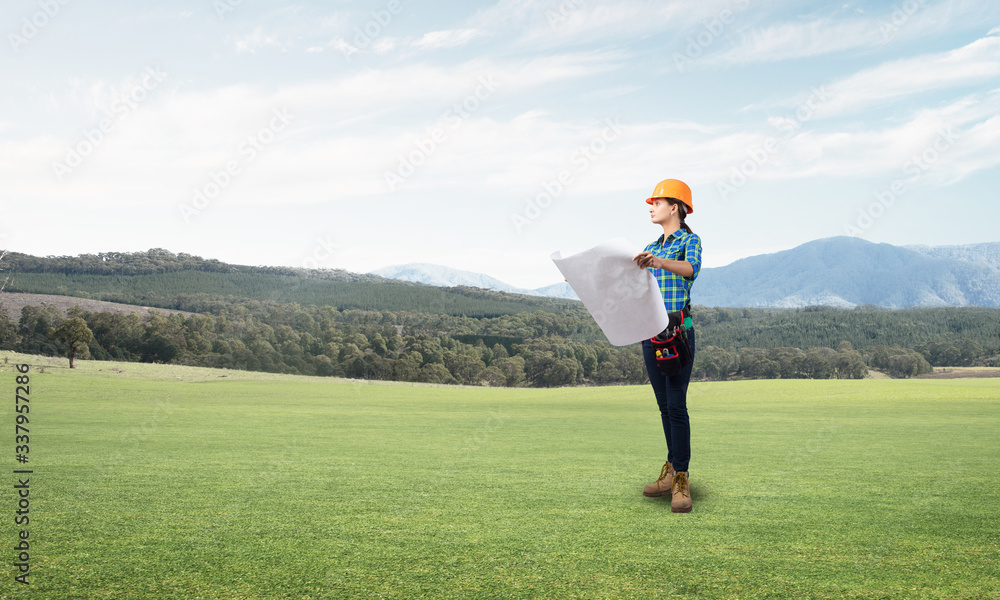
column 659, row 211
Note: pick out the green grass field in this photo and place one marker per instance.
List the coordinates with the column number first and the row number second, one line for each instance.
column 171, row 482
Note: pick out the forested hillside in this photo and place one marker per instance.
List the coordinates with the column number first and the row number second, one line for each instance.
column 159, row 278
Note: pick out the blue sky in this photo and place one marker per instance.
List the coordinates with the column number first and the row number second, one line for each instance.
column 486, row 135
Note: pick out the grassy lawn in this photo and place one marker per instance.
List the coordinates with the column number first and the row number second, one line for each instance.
column 170, row 482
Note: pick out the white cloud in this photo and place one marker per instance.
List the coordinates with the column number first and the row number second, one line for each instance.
column 961, row 137
column 799, row 40
column 369, row 92
column 612, row 92
column 550, row 24
column 197, row 133
column 344, row 135
column 334, row 21
column 314, row 49
column 448, row 38
column 383, row 45
column 251, row 42
column 978, row 149
column 974, row 63
column 819, row 36
column 343, row 46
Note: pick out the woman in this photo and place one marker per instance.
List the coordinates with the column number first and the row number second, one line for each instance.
column 674, row 259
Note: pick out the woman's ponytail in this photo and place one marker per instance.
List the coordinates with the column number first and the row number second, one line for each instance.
column 682, row 212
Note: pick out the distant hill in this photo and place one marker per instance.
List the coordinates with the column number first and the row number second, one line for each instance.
column 848, row 272
column 447, row 277
column 558, row 290
column 162, row 279
column 440, row 275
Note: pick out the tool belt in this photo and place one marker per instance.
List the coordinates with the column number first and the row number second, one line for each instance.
column 671, row 345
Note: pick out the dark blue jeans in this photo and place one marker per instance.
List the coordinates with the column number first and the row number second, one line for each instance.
column 671, row 396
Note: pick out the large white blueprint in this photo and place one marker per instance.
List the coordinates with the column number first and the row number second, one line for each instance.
column 624, row 299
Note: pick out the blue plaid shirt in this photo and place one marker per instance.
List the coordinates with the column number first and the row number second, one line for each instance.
column 676, row 290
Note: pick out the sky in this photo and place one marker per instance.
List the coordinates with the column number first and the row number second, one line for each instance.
column 486, row 135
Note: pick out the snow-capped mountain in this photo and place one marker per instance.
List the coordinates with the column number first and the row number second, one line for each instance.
column 448, row 277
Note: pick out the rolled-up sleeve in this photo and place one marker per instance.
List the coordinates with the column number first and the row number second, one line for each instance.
column 692, row 254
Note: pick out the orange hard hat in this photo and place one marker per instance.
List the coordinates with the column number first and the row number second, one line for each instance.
column 673, row 188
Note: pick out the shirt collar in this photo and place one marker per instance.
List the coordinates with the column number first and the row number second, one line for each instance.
column 680, row 233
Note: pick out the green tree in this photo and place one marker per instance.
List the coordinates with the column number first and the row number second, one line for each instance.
column 879, row 357
column 8, row 331
column 608, row 373
column 34, row 329
column 435, row 373
column 850, row 365
column 712, row 362
column 512, row 369
column 407, row 366
column 755, row 363
column 493, row 376
column 790, row 361
column 76, row 336
column 819, row 363
column 629, row 361
column 117, row 336
column 902, row 365
column 544, row 369
column 909, row 363
column 159, row 348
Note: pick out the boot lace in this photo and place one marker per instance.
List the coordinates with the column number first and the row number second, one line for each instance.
column 681, row 485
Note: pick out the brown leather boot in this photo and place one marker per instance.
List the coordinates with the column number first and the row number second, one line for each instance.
column 663, row 485
column 681, row 500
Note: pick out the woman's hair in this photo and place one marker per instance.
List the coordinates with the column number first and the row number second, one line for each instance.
column 681, row 210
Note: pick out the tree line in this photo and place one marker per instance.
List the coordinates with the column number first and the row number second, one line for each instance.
column 536, row 349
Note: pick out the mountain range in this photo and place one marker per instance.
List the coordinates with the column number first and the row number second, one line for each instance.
column 838, row 271
column 448, row 277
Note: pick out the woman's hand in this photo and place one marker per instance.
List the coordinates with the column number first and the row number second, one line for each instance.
column 646, row 260
column 677, row 267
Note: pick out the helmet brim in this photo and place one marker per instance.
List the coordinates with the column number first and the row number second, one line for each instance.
column 686, row 205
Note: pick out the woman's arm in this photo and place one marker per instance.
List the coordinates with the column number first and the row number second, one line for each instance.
column 678, row 267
